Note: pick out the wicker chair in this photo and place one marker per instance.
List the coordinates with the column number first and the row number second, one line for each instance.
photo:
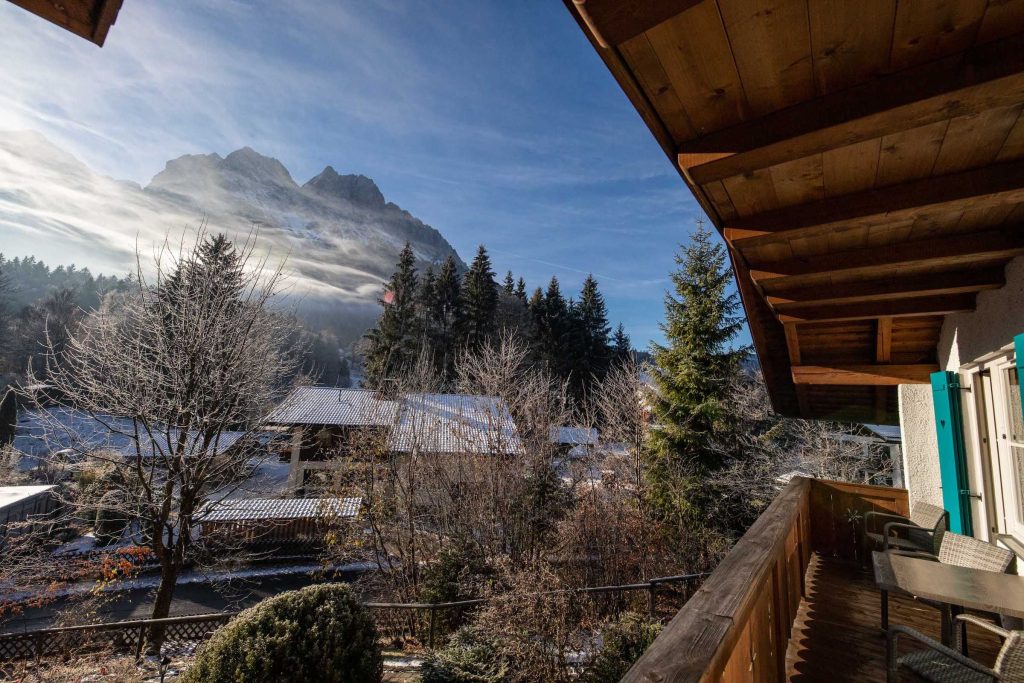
column 921, row 531
column 945, row 665
column 962, row 551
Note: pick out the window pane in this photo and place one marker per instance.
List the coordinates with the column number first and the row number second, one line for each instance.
column 1018, row 471
column 1016, row 417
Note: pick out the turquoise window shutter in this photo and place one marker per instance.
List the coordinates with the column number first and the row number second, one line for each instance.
column 1018, row 352
column 949, row 427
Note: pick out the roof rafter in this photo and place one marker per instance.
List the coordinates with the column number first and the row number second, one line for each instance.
column 940, row 251
column 863, row 375
column 979, row 79
column 975, row 189
column 925, row 305
column 894, row 287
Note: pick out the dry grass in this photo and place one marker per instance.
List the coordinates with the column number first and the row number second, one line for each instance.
column 92, row 667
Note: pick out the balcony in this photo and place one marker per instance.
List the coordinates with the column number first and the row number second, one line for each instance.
column 791, row 602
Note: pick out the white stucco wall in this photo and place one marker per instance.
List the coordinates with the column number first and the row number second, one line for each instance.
column 999, row 316
column 920, row 444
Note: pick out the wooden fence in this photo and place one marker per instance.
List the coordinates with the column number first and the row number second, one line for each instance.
column 396, row 622
column 736, row 627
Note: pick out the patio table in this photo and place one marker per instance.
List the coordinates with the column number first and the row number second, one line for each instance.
column 950, row 585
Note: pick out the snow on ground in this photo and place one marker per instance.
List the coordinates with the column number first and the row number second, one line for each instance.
column 188, row 577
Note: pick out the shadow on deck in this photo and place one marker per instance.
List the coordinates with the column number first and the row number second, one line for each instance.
column 837, row 635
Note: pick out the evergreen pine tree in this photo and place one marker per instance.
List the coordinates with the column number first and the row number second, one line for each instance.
column 521, row 290
column 596, row 356
column 479, row 300
column 621, row 345
column 510, row 284
column 692, row 373
column 552, row 331
column 426, row 324
column 394, row 341
column 447, row 315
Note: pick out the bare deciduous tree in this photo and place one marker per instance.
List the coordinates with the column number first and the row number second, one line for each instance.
column 181, row 373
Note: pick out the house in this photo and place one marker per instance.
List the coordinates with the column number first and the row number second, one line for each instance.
column 570, row 440
column 20, row 505
column 89, row 19
column 331, row 429
column 864, row 164
column 263, row 521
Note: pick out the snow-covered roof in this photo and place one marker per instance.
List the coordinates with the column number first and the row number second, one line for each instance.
column 886, row 432
column 242, row 509
column 455, row 423
column 574, row 436
column 40, row 433
column 12, row 495
column 430, row 423
column 331, row 406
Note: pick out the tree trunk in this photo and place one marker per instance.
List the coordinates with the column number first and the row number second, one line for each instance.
column 162, row 604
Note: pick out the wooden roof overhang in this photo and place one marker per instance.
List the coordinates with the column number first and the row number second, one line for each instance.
column 90, row 19
column 863, row 159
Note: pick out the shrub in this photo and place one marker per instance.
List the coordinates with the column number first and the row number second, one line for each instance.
column 318, row 633
column 624, row 641
column 111, row 521
column 470, row 657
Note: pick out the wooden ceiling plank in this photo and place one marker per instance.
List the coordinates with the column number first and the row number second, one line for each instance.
column 694, row 51
column 971, row 82
column 910, row 153
column 775, row 73
column 947, row 26
column 950, row 282
column 619, row 21
column 863, row 375
column 975, row 188
column 866, row 310
column 851, row 169
column 1002, row 18
column 976, row 139
column 651, row 76
column 883, row 341
column 979, row 246
column 850, row 41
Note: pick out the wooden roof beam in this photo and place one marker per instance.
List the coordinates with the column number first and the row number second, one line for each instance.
column 895, row 287
column 974, row 189
column 960, row 249
column 863, row 375
column 615, row 21
column 979, row 79
column 926, row 305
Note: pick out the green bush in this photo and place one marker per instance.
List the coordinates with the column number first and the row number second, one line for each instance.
column 468, row 658
column 318, row 633
column 624, row 641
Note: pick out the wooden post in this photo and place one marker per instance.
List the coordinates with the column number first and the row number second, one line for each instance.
column 430, row 638
column 651, row 588
column 138, row 646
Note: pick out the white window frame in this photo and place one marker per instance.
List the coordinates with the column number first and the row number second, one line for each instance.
column 1009, row 493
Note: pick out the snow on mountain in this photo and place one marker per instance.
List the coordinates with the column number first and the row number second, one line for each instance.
column 340, row 235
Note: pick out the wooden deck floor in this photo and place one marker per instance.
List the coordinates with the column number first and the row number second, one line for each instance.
column 837, row 635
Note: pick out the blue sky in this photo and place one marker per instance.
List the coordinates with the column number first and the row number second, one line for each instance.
column 495, row 122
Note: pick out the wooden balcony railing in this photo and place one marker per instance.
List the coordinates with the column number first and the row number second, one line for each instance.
column 736, row 627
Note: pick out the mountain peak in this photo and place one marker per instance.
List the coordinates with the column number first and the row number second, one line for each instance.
column 250, row 163
column 354, row 188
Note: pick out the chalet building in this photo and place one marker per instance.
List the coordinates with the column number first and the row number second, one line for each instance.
column 330, row 430
column 864, row 164
column 21, row 507
column 249, row 522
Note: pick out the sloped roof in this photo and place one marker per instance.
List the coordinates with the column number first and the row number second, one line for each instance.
column 331, row 406
column 867, row 182
column 429, row 423
column 455, row 423
column 10, row 495
column 574, row 436
column 242, row 509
